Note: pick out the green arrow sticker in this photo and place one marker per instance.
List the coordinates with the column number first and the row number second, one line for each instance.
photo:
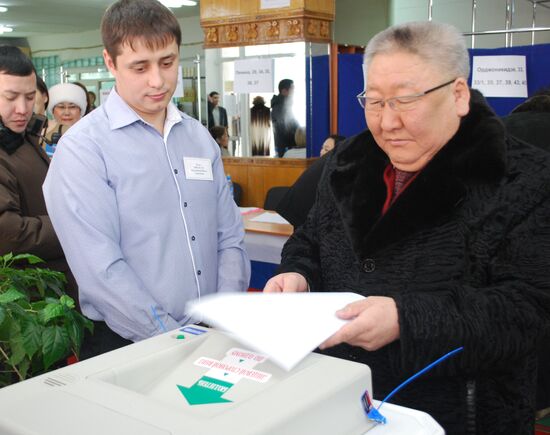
column 206, row 390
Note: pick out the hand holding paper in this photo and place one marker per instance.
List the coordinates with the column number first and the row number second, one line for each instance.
column 284, row 326
column 374, row 324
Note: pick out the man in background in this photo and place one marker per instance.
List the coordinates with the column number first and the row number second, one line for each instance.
column 25, row 227
column 530, row 122
column 282, row 118
column 217, row 115
column 137, row 191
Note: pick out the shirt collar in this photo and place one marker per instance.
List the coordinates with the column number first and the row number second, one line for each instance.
column 120, row 114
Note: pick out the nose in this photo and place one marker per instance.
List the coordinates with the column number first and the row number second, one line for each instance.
column 389, row 118
column 156, row 80
column 21, row 105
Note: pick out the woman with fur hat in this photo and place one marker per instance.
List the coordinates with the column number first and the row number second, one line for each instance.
column 67, row 105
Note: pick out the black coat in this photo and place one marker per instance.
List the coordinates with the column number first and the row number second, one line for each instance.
column 531, row 127
column 465, row 253
column 284, row 124
column 299, row 199
column 534, row 128
column 223, row 116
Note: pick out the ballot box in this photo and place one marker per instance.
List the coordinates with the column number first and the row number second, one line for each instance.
column 197, row 381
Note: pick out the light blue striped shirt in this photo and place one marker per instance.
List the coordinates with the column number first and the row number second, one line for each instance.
column 141, row 237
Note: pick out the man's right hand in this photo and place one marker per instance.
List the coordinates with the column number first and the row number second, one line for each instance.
column 286, row 282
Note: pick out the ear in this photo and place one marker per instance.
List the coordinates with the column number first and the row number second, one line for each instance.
column 109, row 62
column 461, row 93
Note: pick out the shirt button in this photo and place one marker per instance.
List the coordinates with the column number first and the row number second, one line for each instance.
column 198, row 272
column 193, row 238
column 368, row 265
column 175, row 171
column 185, row 204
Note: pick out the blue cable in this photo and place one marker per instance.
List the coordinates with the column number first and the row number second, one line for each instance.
column 159, row 320
column 373, row 414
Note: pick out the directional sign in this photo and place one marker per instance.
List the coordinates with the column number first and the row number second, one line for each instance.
column 236, row 365
column 206, row 390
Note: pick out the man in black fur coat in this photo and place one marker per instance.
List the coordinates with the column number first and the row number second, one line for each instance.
column 443, row 222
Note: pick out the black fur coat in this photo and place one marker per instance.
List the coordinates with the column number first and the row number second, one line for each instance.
column 465, row 253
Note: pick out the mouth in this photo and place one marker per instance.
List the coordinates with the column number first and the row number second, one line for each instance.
column 396, row 142
column 157, row 97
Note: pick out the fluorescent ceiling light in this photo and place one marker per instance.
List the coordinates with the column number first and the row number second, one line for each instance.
column 178, row 3
column 3, row 9
column 5, row 29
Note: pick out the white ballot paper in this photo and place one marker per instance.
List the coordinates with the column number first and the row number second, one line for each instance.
column 270, row 218
column 286, row 327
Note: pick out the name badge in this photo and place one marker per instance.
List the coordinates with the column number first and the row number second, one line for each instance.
column 197, row 168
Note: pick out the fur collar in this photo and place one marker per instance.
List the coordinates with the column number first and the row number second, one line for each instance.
column 476, row 154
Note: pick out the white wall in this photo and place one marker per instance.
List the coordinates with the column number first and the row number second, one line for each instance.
column 359, row 20
column 490, row 15
column 356, row 22
column 80, row 45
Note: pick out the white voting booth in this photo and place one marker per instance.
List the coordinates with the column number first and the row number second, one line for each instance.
column 200, row 381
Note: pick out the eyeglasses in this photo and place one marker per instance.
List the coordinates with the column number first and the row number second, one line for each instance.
column 399, row 104
column 69, row 107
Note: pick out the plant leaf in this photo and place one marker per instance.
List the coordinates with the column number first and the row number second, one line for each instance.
column 75, row 332
column 24, row 367
column 38, row 305
column 55, row 344
column 32, row 259
column 2, row 314
column 31, row 335
column 67, row 301
column 17, row 351
column 12, row 294
column 5, row 328
column 51, row 311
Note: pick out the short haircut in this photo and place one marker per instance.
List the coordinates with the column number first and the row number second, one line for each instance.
column 542, row 91
column 14, row 62
column 211, row 94
column 537, row 103
column 337, row 138
column 43, row 89
column 438, row 44
column 145, row 20
column 285, row 84
column 217, row 131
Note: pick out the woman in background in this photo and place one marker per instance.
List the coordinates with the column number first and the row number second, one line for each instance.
column 67, row 104
column 260, row 128
column 219, row 133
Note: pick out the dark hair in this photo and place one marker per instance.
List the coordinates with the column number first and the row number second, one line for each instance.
column 14, row 62
column 217, row 131
column 285, row 84
column 337, row 138
column 147, row 20
column 542, row 91
column 43, row 89
column 537, row 103
column 260, row 114
column 211, row 94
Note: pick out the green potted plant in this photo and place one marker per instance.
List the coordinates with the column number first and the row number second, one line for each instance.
column 39, row 326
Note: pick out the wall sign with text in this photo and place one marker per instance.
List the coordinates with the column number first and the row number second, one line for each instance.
column 253, row 75
column 500, row 76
